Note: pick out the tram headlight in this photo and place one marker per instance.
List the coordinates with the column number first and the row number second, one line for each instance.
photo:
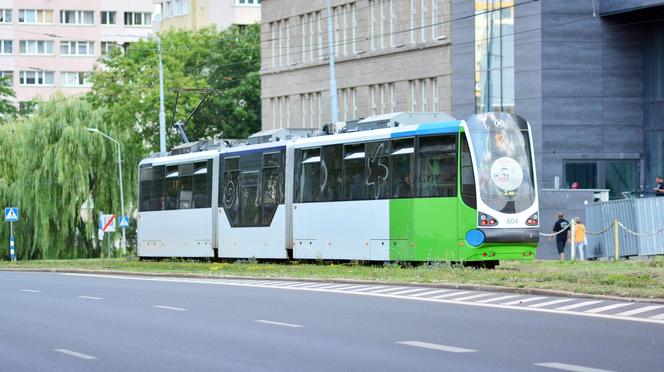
column 533, row 220
column 486, row 220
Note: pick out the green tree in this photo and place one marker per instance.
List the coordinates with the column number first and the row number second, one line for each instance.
column 128, row 84
column 49, row 166
column 7, row 106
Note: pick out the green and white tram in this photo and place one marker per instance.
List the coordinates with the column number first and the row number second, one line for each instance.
column 404, row 186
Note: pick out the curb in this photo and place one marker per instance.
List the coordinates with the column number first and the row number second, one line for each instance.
column 464, row 286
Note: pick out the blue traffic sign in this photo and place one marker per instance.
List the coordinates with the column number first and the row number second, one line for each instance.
column 11, row 214
column 124, row 221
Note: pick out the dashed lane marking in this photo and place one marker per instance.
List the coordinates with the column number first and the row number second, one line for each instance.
column 90, row 297
column 170, row 308
column 607, row 308
column 549, row 303
column 75, row 354
column 279, row 323
column 523, row 301
column 448, row 296
column 578, row 305
column 427, row 345
column 570, row 367
column 30, row 290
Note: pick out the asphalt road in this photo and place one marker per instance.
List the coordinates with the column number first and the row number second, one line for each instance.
column 55, row 322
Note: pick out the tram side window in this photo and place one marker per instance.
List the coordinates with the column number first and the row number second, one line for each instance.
column 468, row 194
column 249, row 199
column 230, row 190
column 378, row 170
column 310, row 176
column 145, row 176
column 402, row 168
column 437, row 166
column 173, row 186
column 158, row 187
column 272, row 186
column 353, row 172
column 331, row 182
column 186, row 172
column 202, row 185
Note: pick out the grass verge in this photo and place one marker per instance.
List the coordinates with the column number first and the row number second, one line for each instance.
column 638, row 279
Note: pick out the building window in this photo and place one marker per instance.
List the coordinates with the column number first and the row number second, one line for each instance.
column 494, row 56
column 393, row 98
column 33, row 78
column 353, row 32
column 393, row 23
column 5, row 16
column 77, row 48
column 7, row 77
column 6, row 47
column 423, row 25
column 373, row 20
column 75, row 79
column 412, row 85
column 434, row 94
column 108, row 18
column 107, row 46
column 424, row 94
column 180, row 7
column 137, row 18
column 77, row 17
column 413, row 23
column 35, row 16
column 616, row 175
column 353, row 102
column 36, row 47
column 247, row 2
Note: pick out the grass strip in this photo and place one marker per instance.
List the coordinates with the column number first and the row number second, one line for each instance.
column 632, row 278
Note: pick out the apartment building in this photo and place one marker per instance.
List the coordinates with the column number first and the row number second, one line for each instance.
column 49, row 46
column 391, row 55
column 197, row 14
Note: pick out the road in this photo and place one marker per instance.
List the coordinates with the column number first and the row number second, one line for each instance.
column 58, row 322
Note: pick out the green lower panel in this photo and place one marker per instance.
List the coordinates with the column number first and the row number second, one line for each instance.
column 423, row 229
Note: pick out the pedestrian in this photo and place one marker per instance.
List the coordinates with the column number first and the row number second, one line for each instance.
column 580, row 236
column 659, row 189
column 561, row 229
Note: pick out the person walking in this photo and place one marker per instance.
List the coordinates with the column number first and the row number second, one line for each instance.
column 561, row 228
column 580, row 236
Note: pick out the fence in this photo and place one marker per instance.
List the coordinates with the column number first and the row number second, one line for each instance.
column 627, row 227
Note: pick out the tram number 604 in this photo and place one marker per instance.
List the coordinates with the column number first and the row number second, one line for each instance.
column 512, row 221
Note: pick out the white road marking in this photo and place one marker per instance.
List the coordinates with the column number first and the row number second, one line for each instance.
column 75, row 354
column 427, row 345
column 523, row 301
column 451, row 294
column 315, row 285
column 474, row 296
column 570, row 367
column 279, row 323
column 388, row 289
column 368, row 288
column 170, row 308
column 354, row 287
column 496, row 299
column 640, row 310
column 335, row 287
column 90, row 298
column 300, row 285
column 606, row 308
column 407, row 291
column 577, row 305
column 548, row 303
column 657, row 319
column 30, row 290
column 429, row 293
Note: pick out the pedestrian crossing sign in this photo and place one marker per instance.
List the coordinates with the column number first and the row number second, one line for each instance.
column 11, row 214
column 124, row 221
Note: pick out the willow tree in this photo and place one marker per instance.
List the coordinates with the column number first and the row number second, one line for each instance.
column 50, row 164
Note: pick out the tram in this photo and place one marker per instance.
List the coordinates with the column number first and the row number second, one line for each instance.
column 395, row 187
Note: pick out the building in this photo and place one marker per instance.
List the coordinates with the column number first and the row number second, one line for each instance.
column 49, row 46
column 587, row 74
column 197, row 14
column 390, row 55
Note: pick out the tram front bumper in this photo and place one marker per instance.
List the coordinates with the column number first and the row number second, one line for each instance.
column 519, row 235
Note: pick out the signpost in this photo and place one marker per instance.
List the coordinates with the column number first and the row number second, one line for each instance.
column 106, row 224
column 11, row 216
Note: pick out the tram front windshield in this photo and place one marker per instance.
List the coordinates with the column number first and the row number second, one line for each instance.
column 504, row 162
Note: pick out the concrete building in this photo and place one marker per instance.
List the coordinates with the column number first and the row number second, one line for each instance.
column 48, row 46
column 391, row 55
column 196, row 14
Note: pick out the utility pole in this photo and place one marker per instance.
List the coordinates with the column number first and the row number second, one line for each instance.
column 162, row 111
column 334, row 105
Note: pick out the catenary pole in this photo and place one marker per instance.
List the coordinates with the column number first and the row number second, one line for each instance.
column 334, row 106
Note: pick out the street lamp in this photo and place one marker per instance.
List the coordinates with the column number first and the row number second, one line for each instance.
column 162, row 112
column 122, row 210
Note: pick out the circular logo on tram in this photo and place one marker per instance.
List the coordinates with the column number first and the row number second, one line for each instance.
column 506, row 173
